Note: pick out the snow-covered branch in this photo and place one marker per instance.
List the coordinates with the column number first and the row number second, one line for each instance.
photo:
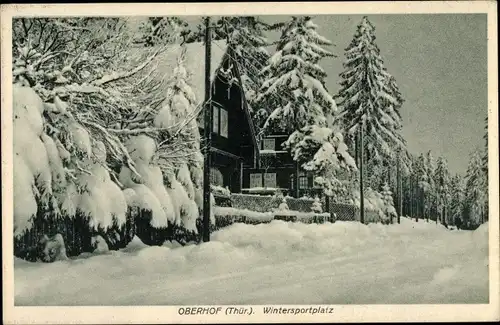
column 126, row 74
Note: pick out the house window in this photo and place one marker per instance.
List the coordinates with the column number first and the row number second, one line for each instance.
column 255, row 180
column 215, row 118
column 270, row 180
column 303, row 183
column 223, row 123
column 268, row 144
column 220, row 121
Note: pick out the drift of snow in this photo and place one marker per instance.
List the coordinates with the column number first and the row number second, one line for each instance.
column 339, row 263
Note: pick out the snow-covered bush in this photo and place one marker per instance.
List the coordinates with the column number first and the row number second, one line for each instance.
column 220, row 191
column 376, row 208
column 283, row 206
column 389, row 210
column 53, row 249
column 323, row 151
column 316, row 206
column 100, row 245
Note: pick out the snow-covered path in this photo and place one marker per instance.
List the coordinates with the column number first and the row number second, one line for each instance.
column 282, row 263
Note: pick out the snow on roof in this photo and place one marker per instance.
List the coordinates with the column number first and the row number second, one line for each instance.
column 194, row 62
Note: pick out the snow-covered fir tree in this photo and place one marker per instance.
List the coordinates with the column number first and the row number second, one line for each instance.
column 369, row 95
column 457, row 202
column 296, row 80
column 431, row 198
column 389, row 210
column 302, row 105
column 174, row 156
column 477, row 192
column 247, row 40
column 316, row 206
column 323, row 151
column 423, row 187
column 442, row 183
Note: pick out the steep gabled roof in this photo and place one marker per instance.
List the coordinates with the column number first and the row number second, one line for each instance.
column 194, row 62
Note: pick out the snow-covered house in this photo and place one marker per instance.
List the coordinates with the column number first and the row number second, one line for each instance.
column 240, row 161
column 234, row 144
column 276, row 169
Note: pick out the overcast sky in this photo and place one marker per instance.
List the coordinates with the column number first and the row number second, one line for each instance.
column 439, row 62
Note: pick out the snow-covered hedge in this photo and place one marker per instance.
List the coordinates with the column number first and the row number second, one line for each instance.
column 261, row 203
column 225, row 216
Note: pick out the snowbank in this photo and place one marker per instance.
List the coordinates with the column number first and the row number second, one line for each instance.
column 278, row 262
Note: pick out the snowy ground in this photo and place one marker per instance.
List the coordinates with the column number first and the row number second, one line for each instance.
column 282, row 263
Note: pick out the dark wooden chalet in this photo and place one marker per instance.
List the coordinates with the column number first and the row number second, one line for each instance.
column 234, row 143
column 240, row 161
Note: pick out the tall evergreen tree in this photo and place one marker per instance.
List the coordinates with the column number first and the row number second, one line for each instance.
column 369, row 95
column 301, row 104
column 457, row 186
column 248, row 42
column 423, row 186
column 431, row 197
column 477, row 193
column 389, row 210
column 296, row 80
column 442, row 180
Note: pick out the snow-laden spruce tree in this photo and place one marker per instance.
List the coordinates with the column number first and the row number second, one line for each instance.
column 422, row 182
column 175, row 151
column 430, row 165
column 301, row 105
column 442, row 183
column 370, row 95
column 323, row 151
column 295, row 77
column 477, row 191
column 457, row 201
column 389, row 210
column 247, row 41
